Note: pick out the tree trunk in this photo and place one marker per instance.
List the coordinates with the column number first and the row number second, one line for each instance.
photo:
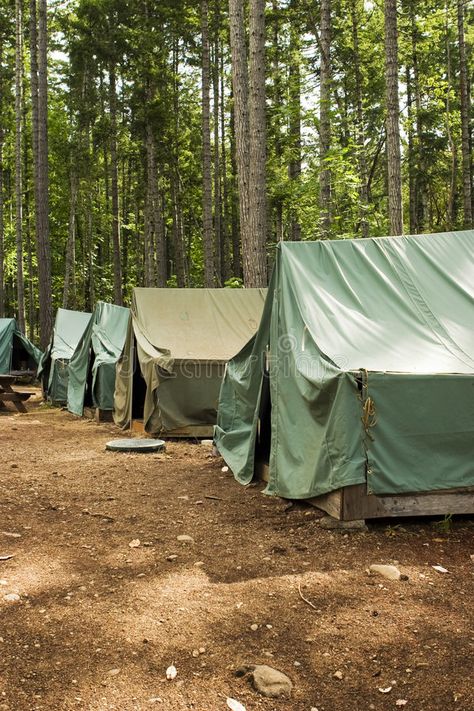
column 226, row 213
column 360, row 133
column 236, row 235
column 395, row 209
column 2, row 228
column 39, row 84
column 255, row 260
column 69, row 291
column 294, row 90
column 149, row 246
column 118, row 297
column 160, row 236
column 240, row 93
column 218, row 248
column 207, row 232
column 451, row 201
column 465, row 142
column 20, row 286
column 325, row 121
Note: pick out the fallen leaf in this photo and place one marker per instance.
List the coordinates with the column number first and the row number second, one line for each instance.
column 387, row 690
column 440, row 569
column 234, row 705
column 401, row 702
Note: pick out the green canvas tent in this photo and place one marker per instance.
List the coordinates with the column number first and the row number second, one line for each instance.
column 177, row 345
column 362, row 370
column 91, row 379
column 17, row 353
column 69, row 328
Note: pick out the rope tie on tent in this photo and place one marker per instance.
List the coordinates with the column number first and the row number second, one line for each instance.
column 368, row 418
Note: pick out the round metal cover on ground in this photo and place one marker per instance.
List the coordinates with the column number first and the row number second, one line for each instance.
column 135, row 445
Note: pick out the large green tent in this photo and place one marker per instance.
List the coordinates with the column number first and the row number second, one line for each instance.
column 178, row 343
column 362, row 370
column 92, row 366
column 17, row 352
column 69, row 328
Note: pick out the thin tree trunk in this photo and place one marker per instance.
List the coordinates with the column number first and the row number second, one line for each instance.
column 294, row 78
column 255, row 260
column 451, row 202
column 160, row 236
column 360, row 133
column 69, row 291
column 395, row 209
column 177, row 221
column 412, row 186
column 465, row 142
column 207, row 233
column 218, row 251
column 240, row 92
column 149, row 247
column 20, row 286
column 43, row 248
column 118, row 297
column 235, row 233
column 325, row 121
column 226, row 214
column 2, row 227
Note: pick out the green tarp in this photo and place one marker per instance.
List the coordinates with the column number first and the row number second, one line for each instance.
column 177, row 345
column 362, row 369
column 69, row 328
column 17, row 352
column 92, row 366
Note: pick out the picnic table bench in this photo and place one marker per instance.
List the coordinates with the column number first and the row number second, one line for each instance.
column 7, row 394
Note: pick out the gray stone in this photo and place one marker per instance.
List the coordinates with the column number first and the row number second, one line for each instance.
column 390, row 572
column 271, row 682
column 333, row 524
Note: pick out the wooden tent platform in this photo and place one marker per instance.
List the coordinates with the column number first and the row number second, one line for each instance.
column 189, row 432
column 352, row 503
column 95, row 413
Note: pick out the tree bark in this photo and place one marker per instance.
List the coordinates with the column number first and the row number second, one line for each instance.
column 2, row 227
column 241, row 121
column 465, row 132
column 207, row 231
column 294, row 90
column 149, row 246
column 20, row 286
column 325, row 121
column 69, row 291
column 360, row 133
column 395, row 209
column 118, row 297
column 255, row 260
column 43, row 248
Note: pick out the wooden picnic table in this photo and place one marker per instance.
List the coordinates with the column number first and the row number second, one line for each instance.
column 7, row 394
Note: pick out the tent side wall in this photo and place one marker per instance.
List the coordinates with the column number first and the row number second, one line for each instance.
column 236, row 431
column 7, row 329
column 123, row 393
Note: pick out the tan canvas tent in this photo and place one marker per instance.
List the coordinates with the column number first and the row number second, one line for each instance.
column 177, row 345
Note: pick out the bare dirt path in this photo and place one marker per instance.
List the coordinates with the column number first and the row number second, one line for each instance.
column 98, row 622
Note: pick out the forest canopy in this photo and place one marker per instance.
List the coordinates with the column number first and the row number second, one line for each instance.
column 175, row 143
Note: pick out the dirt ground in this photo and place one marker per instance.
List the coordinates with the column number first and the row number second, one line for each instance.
column 98, row 621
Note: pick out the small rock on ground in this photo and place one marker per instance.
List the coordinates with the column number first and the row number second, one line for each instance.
column 390, row 572
column 271, row 682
